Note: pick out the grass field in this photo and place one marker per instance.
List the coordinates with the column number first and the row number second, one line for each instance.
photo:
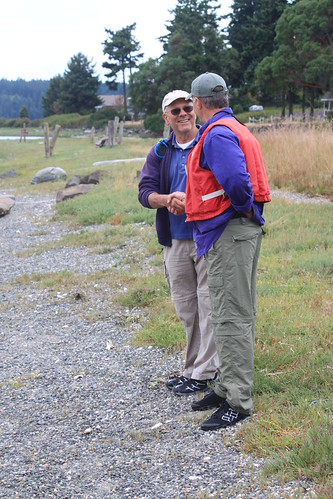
column 293, row 353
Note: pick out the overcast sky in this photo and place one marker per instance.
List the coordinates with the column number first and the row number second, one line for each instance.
column 38, row 38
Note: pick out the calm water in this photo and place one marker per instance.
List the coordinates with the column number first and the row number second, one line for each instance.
column 17, row 137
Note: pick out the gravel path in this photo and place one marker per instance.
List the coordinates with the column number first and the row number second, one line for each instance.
column 83, row 413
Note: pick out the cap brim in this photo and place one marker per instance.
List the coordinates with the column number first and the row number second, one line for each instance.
column 189, row 97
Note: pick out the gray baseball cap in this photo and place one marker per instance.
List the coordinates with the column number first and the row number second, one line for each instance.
column 207, row 85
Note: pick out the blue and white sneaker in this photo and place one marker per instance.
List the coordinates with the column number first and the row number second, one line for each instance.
column 191, row 386
column 173, row 382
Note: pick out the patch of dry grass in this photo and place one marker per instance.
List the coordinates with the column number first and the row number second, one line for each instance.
column 299, row 158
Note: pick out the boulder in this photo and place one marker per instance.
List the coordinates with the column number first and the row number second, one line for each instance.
column 6, row 203
column 71, row 192
column 49, row 174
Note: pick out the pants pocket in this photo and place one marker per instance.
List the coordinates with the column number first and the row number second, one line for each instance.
column 245, row 247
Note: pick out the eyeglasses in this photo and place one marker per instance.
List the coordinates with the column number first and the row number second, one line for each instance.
column 177, row 110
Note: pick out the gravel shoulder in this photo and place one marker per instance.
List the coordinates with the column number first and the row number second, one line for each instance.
column 83, row 413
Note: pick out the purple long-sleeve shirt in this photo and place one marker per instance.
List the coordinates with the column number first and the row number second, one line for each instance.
column 222, row 155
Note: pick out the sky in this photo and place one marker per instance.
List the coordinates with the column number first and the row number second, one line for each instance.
column 38, row 38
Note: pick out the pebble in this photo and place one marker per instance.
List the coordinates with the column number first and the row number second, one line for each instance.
column 84, row 414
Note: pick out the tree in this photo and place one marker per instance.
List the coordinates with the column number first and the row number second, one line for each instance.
column 79, row 86
column 24, row 113
column 18, row 93
column 303, row 58
column 50, row 100
column 144, row 87
column 194, row 44
column 121, row 49
column 251, row 33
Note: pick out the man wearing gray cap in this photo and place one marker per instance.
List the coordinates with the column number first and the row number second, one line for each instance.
column 163, row 173
column 225, row 195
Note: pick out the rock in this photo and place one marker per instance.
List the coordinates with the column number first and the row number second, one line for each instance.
column 91, row 178
column 49, row 174
column 94, row 177
column 8, row 174
column 6, row 203
column 76, row 180
column 71, row 192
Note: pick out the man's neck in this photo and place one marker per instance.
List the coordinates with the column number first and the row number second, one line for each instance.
column 186, row 137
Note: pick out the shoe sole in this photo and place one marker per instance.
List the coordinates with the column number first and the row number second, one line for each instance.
column 180, row 394
column 223, row 426
column 206, row 407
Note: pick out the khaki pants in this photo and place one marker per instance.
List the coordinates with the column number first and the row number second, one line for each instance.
column 232, row 270
column 187, row 279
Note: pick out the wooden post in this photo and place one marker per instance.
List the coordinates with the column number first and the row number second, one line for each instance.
column 47, row 140
column 92, row 134
column 115, row 129
column 54, row 138
column 24, row 133
column 110, row 133
column 120, row 132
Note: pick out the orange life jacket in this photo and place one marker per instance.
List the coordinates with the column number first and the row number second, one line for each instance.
column 205, row 197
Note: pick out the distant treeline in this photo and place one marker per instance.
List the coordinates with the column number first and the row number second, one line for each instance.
column 15, row 94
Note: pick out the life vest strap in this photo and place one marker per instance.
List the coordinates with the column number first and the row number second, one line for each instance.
column 212, row 195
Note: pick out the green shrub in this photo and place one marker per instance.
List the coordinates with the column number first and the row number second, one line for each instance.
column 100, row 118
column 154, row 123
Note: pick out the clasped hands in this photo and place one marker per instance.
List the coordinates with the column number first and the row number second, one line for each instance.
column 176, row 203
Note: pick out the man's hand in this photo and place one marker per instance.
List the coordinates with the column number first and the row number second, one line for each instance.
column 176, row 203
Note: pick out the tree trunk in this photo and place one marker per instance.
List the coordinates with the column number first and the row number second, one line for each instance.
column 312, row 103
column 283, row 104
column 290, row 103
column 303, row 104
column 124, row 94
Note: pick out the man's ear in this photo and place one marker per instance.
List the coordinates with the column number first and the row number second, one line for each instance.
column 198, row 103
column 166, row 119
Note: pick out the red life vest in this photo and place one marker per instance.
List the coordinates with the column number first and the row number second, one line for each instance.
column 205, row 197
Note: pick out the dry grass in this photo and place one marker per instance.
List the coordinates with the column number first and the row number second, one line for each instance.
column 299, row 158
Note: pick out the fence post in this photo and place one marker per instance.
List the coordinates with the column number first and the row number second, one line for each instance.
column 120, row 132
column 54, row 138
column 47, row 140
column 110, row 133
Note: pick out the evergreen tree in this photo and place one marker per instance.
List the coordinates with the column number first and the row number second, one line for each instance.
column 144, row 87
column 14, row 94
column 24, row 113
column 303, row 59
column 251, row 34
column 194, row 44
column 79, row 87
column 51, row 98
column 122, row 51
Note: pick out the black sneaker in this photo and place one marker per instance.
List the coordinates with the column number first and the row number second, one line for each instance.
column 190, row 387
column 224, row 417
column 208, row 402
column 173, row 382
